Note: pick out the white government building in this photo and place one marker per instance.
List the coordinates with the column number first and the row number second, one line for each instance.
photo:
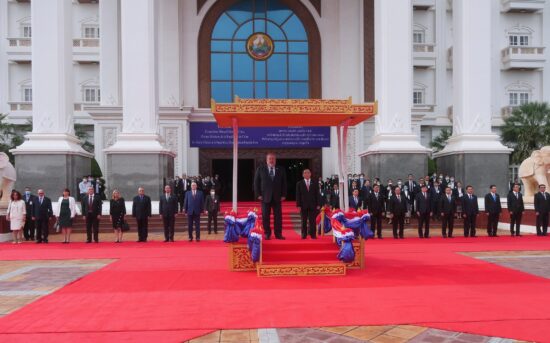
column 140, row 74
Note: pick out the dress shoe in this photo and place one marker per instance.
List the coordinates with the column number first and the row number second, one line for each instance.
column 166, row 240
column 518, row 235
column 171, row 239
column 88, row 242
column 444, row 235
column 304, row 237
column 379, row 237
column 198, row 240
column 190, row 239
column 267, row 238
column 420, row 236
column 280, row 237
column 313, row 237
column 427, row 236
column 395, row 237
column 45, row 241
column 401, row 237
column 38, row 242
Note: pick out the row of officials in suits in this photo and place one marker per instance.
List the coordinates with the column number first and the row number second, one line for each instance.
column 39, row 210
column 425, row 204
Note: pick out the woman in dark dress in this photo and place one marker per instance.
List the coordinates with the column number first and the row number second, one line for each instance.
column 117, row 211
column 65, row 213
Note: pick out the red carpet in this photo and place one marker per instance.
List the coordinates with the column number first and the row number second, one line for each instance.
column 172, row 292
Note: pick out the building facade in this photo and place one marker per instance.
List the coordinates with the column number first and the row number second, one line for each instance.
column 140, row 74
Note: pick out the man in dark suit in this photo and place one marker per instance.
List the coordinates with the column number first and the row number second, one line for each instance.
column 42, row 214
column 447, row 208
column 493, row 209
column 377, row 209
column 470, row 210
column 516, row 209
column 355, row 201
column 397, row 206
column 168, row 209
column 193, row 206
column 212, row 208
column 423, row 211
column 30, row 204
column 542, row 207
column 308, row 201
column 270, row 188
column 435, row 195
column 141, row 210
column 178, row 190
column 335, row 197
column 91, row 211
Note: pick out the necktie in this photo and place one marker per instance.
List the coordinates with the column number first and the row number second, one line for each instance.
column 194, row 193
column 41, row 200
column 470, row 197
column 424, row 195
column 271, row 173
column 516, row 195
column 449, row 197
column 355, row 199
column 399, row 199
column 90, row 202
column 494, row 197
column 307, row 184
column 167, row 196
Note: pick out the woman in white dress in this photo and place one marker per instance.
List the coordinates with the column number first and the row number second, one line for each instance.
column 17, row 212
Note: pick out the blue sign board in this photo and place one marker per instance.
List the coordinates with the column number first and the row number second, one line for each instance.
column 209, row 135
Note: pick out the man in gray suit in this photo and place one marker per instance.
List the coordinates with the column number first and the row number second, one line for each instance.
column 270, row 188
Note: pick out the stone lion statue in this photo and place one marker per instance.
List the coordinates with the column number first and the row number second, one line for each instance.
column 534, row 171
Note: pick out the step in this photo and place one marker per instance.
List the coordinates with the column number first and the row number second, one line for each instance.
column 304, row 256
column 314, row 268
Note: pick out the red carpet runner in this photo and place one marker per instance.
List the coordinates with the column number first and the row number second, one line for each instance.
column 172, row 292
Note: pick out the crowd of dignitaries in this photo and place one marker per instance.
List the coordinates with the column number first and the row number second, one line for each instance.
column 432, row 198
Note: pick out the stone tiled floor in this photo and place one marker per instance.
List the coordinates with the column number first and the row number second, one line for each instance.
column 532, row 262
column 348, row 334
column 22, row 282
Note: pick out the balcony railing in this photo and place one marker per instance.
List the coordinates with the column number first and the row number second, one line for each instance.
column 423, row 47
column 20, row 106
column 524, row 57
column 86, row 42
column 19, row 42
column 507, row 111
column 423, row 108
column 79, row 106
column 522, row 5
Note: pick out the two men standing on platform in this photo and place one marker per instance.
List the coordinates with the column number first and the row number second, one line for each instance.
column 270, row 187
column 308, row 201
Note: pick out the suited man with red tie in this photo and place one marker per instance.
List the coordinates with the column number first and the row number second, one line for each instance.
column 193, row 206
column 308, row 201
column 493, row 209
column 270, row 188
column 515, row 208
column 447, row 208
column 470, row 210
column 424, row 212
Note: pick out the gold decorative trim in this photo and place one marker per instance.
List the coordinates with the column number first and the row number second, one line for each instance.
column 276, row 270
column 239, row 258
column 359, row 262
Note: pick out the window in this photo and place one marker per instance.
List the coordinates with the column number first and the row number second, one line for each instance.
column 418, row 97
column 519, row 40
column 26, row 31
column 91, row 95
column 259, row 49
column 418, row 37
column 90, row 31
column 518, row 98
column 27, row 94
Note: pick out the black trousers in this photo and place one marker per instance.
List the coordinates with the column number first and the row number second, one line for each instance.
column 515, row 220
column 181, row 198
column 194, row 220
column 308, row 214
column 29, row 228
column 492, row 224
column 424, row 223
column 142, row 228
column 92, row 226
column 448, row 222
column 542, row 224
column 213, row 217
column 42, row 229
column 376, row 224
column 277, row 218
column 398, row 224
column 470, row 225
column 169, row 222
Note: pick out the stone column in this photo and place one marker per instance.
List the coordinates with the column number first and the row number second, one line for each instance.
column 394, row 143
column 474, row 154
column 109, row 53
column 138, row 158
column 51, row 157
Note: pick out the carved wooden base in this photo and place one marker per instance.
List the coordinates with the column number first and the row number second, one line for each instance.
column 359, row 262
column 325, row 269
column 239, row 258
